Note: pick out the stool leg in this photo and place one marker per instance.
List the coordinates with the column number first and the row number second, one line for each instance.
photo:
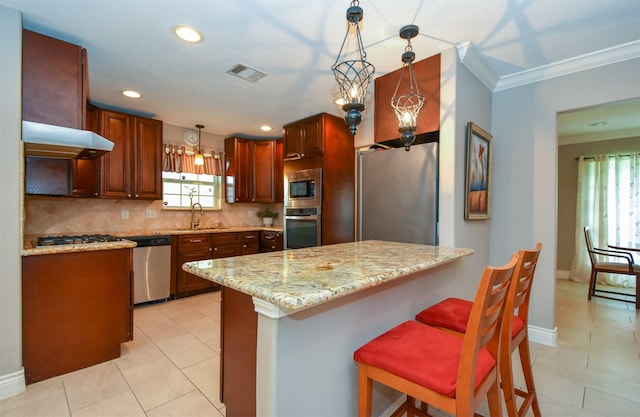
column 525, row 360
column 493, row 398
column 506, row 380
column 365, row 386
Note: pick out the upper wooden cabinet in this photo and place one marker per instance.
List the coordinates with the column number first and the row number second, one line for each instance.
column 54, row 81
column 133, row 169
column 427, row 72
column 254, row 170
column 304, row 139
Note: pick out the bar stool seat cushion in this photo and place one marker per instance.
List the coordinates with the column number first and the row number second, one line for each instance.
column 453, row 314
column 422, row 354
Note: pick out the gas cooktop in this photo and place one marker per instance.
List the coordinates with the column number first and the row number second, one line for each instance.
column 75, row 239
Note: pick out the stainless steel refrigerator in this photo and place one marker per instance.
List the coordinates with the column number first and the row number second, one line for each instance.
column 398, row 194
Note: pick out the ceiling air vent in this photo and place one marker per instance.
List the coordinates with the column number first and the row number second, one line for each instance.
column 246, row 73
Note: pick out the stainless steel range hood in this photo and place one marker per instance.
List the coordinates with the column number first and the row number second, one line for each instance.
column 62, row 142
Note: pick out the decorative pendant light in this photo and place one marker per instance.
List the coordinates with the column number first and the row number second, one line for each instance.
column 199, row 157
column 407, row 106
column 353, row 76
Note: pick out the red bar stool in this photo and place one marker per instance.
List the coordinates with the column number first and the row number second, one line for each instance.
column 452, row 315
column 449, row 372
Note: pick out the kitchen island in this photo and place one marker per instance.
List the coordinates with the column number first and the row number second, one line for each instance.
column 315, row 306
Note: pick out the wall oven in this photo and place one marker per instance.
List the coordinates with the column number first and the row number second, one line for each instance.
column 302, row 227
column 303, row 188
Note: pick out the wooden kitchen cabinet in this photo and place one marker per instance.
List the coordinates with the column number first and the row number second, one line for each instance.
column 77, row 308
column 337, row 162
column 254, row 170
column 427, row 72
column 271, row 241
column 133, row 169
column 190, row 248
column 304, row 138
column 54, row 81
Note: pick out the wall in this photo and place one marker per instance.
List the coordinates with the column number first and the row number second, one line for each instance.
column 11, row 372
column 525, row 165
column 568, row 187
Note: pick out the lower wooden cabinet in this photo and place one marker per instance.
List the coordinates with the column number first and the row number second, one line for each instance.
column 270, row 241
column 77, row 308
column 189, row 248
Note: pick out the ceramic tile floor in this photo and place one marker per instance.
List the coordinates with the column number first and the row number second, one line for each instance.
column 172, row 367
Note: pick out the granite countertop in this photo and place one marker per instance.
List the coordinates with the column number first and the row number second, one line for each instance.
column 301, row 278
column 29, row 247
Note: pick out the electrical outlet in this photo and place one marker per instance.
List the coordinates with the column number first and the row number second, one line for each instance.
column 125, row 214
column 150, row 214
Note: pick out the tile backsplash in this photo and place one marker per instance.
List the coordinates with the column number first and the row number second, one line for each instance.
column 55, row 215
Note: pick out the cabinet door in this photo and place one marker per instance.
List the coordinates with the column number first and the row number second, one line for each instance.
column 84, row 178
column 187, row 282
column 238, row 155
column 293, row 141
column 115, row 167
column 250, row 243
column 264, row 171
column 53, row 81
column 147, row 158
column 313, row 138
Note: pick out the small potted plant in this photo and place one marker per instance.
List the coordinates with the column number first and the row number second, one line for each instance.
column 267, row 216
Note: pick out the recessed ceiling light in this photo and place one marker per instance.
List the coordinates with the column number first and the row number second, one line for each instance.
column 187, row 33
column 597, row 124
column 131, row 94
column 266, row 128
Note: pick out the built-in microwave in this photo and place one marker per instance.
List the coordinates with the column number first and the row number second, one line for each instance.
column 303, row 188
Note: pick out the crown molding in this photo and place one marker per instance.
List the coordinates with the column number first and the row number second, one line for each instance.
column 477, row 64
column 619, row 53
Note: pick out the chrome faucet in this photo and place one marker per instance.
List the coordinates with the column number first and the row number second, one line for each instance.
column 194, row 222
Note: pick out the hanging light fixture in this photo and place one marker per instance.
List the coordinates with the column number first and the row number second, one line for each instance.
column 353, row 76
column 407, row 106
column 199, row 157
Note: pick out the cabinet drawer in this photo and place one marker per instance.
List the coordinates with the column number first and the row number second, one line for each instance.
column 248, row 237
column 226, row 238
column 191, row 243
column 270, row 241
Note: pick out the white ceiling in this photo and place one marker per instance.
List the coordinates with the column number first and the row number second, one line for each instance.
column 130, row 45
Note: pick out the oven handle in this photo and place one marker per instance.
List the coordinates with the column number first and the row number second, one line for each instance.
column 301, row 217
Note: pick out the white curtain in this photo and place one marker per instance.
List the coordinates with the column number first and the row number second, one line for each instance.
column 608, row 202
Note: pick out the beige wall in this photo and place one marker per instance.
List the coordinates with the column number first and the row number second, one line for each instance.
column 567, row 189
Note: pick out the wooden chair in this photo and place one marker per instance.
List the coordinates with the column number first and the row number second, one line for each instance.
column 624, row 265
column 451, row 373
column 453, row 315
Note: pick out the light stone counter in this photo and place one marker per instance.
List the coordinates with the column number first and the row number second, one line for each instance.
column 294, row 280
column 30, row 248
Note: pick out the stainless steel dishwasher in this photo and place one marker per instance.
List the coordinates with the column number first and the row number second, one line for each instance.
column 151, row 268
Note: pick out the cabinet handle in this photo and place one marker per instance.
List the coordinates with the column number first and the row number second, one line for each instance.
column 137, row 196
column 211, row 249
column 215, row 249
column 129, row 195
column 250, row 237
column 195, row 240
column 267, row 237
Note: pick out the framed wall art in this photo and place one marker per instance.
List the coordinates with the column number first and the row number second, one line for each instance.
column 477, row 191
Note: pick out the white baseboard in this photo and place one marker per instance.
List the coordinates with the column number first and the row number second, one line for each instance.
column 560, row 274
column 543, row 336
column 12, row 384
